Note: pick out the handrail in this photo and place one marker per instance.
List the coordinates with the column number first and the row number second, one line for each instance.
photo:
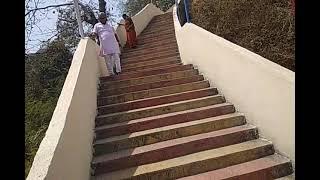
column 186, row 9
column 183, row 11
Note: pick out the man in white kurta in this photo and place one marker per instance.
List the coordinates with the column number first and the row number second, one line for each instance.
column 109, row 44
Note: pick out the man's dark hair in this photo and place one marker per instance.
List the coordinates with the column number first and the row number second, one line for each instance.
column 124, row 16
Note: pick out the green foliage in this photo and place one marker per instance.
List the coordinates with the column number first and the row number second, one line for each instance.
column 45, row 72
column 132, row 7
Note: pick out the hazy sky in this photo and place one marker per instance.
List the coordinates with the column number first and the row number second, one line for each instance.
column 49, row 23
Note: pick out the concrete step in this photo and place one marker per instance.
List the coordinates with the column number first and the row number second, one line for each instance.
column 173, row 148
column 143, row 55
column 150, row 37
column 151, row 136
column 157, row 23
column 164, row 65
column 160, row 70
column 148, row 86
column 103, row 119
column 266, row 168
column 157, row 44
column 167, row 32
column 155, row 30
column 127, row 97
column 149, row 50
column 158, row 31
column 134, row 64
column 196, row 163
column 149, row 79
column 156, row 38
column 158, row 56
column 163, row 120
column 163, row 16
column 160, row 23
column 156, row 101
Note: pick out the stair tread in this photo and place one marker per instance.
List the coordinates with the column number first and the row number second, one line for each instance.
column 196, row 83
column 136, row 70
column 159, row 116
column 133, row 141
column 157, row 97
column 241, row 169
column 168, row 143
column 153, row 84
column 188, row 159
column 173, row 68
column 117, row 82
column 162, row 105
column 165, row 128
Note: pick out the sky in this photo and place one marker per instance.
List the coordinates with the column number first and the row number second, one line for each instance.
column 49, row 23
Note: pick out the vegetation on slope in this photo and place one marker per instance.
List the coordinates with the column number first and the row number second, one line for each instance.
column 266, row 27
column 45, row 73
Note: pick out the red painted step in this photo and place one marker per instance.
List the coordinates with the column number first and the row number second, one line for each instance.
column 123, row 76
column 152, row 93
column 266, row 168
column 173, row 148
column 163, row 120
column 156, row 101
column 152, row 66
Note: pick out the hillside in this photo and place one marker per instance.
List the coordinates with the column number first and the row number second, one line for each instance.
column 266, row 27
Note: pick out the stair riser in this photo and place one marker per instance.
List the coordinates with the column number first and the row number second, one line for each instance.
column 150, row 79
column 131, row 75
column 167, row 135
column 153, row 93
column 176, row 151
column 142, row 87
column 117, row 118
column 180, row 118
column 157, row 101
column 207, row 165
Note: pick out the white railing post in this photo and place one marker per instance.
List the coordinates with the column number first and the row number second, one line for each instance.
column 76, row 6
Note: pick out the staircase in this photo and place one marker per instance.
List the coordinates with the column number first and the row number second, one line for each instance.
column 160, row 119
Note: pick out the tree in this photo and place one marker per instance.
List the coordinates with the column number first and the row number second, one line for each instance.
column 35, row 12
column 132, row 7
column 45, row 73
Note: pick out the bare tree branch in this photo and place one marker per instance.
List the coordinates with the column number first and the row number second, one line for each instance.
column 46, row 7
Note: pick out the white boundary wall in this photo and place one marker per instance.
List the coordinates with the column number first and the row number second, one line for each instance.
column 261, row 89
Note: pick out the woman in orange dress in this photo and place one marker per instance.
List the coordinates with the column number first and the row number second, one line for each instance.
column 131, row 32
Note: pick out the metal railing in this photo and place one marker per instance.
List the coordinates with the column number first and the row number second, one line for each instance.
column 183, row 11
